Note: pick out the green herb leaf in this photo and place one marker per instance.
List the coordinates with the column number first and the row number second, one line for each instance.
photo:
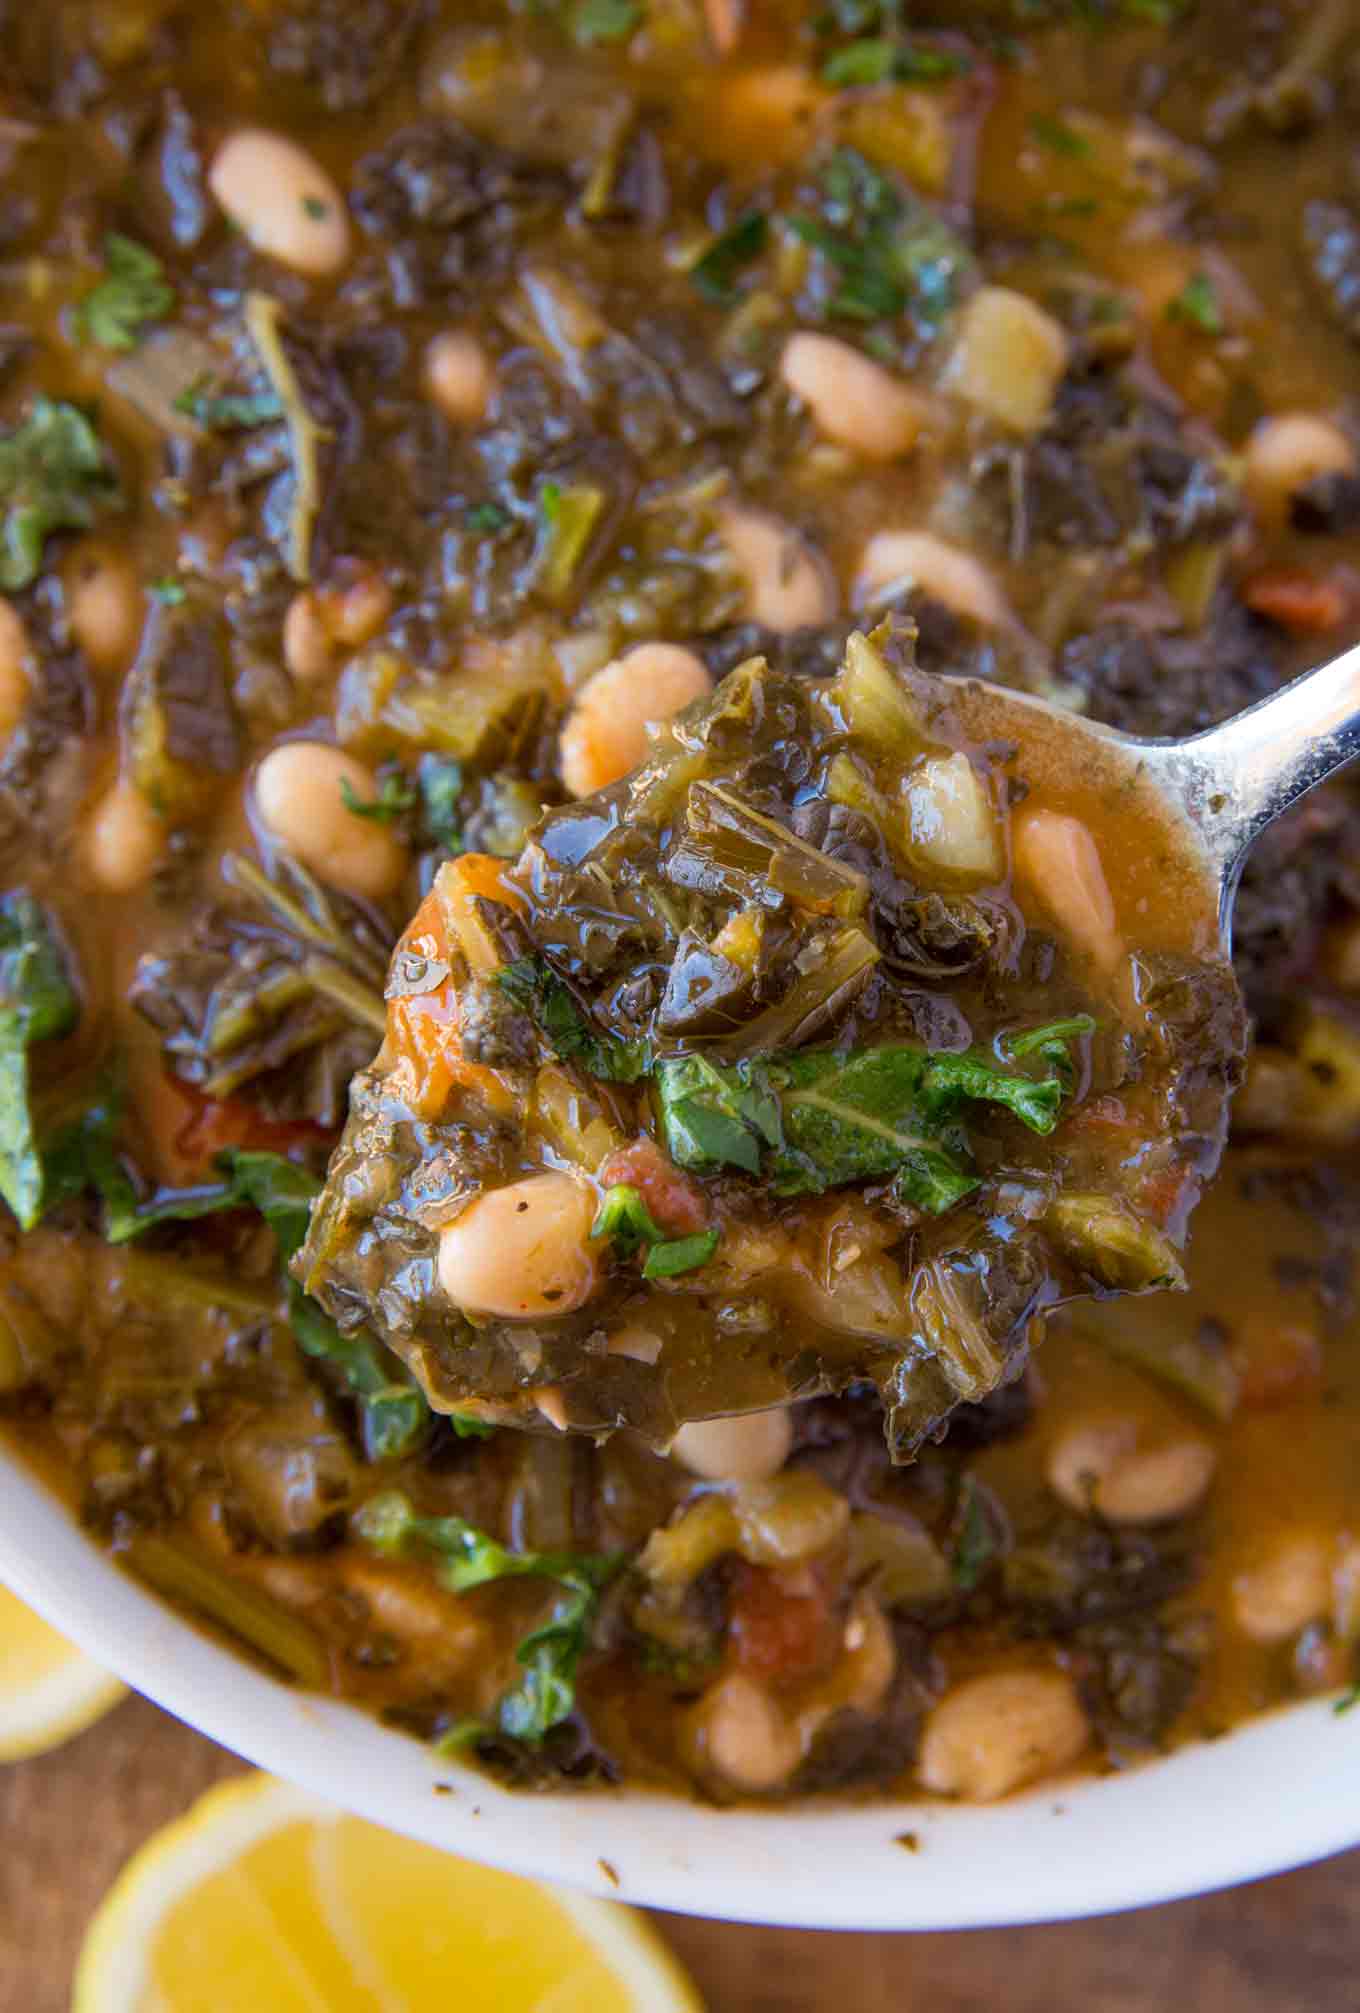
column 533, row 985
column 440, row 782
column 1348, row 1698
column 715, row 271
column 880, row 60
column 37, row 1004
column 135, row 293
column 227, row 412
column 951, row 1079
column 624, row 1218
column 464, row 1557
column 487, row 517
column 1197, row 304
column 680, row 1254
column 395, row 796
column 604, row 20
column 53, row 477
column 1059, row 137
column 171, row 593
column 891, row 253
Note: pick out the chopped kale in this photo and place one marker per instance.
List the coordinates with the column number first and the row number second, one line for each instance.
column 1197, row 305
column 890, row 252
column 715, row 271
column 464, row 1557
column 395, row 797
column 53, row 477
column 533, row 985
column 37, row 1004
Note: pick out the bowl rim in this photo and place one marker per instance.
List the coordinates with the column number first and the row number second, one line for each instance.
column 1252, row 1803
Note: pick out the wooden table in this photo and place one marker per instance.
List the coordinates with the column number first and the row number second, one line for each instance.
column 1291, row 1945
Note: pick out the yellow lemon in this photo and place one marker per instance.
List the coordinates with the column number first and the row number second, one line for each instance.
column 264, row 1897
column 49, row 1690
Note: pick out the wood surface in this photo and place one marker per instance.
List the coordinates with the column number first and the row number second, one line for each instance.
column 1290, row 1945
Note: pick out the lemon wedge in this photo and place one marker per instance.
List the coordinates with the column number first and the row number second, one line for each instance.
column 49, row 1690
column 265, row 1898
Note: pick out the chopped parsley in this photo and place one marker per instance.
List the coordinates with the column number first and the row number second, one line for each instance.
column 1197, row 305
column 486, row 517
column 888, row 251
column 395, row 796
column 603, row 20
column 133, row 294
column 882, row 60
column 227, row 412
column 625, row 1219
column 1060, row 138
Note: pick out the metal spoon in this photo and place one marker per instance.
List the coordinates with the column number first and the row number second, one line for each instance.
column 1228, row 783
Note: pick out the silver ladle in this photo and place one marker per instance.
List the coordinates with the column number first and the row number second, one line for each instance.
column 1228, row 783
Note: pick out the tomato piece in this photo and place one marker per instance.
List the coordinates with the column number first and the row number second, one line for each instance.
column 1277, row 1361
column 676, row 1202
column 1307, row 604
column 780, row 1624
column 214, row 1124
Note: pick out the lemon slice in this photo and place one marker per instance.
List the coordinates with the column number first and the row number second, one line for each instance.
column 264, row 1897
column 49, row 1690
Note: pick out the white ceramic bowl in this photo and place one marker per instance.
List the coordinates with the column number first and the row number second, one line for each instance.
column 1281, row 1791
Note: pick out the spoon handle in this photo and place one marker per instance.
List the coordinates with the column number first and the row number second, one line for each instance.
column 1236, row 779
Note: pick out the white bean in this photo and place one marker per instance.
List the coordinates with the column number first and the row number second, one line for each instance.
column 1287, row 452
column 894, row 562
column 788, row 585
column 1008, row 358
column 1285, row 1589
column 300, row 792
column 523, row 1251
column 124, row 840
column 282, row 200
column 1100, row 1467
column 459, row 377
column 858, row 403
column 308, row 648
column 992, row 1734
column 16, row 681
column 105, row 606
column 1058, row 859
column 605, row 734
column 748, row 1448
column 739, row 1732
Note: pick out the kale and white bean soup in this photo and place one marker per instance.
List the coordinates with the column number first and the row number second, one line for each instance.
column 592, row 1159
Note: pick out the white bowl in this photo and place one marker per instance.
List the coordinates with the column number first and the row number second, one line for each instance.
column 1279, row 1792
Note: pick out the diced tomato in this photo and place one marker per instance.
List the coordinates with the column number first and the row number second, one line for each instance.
column 1277, row 1360
column 214, row 1124
column 423, row 1027
column 781, row 1625
column 1307, row 604
column 1100, row 1114
column 1158, row 1194
column 676, row 1202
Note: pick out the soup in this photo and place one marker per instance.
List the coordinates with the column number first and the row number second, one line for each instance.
column 432, row 440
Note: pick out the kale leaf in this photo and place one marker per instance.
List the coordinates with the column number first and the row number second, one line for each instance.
column 465, row 1557
column 715, row 271
column 533, row 985
column 392, row 1414
column 134, row 294
column 822, row 1118
column 37, row 1004
column 891, row 254
column 53, row 477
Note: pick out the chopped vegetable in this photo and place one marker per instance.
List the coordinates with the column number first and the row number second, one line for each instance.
column 264, row 319
column 394, row 798
column 227, row 412
column 604, row 20
column 882, row 60
column 54, row 476
column 186, row 1577
column 890, row 253
column 533, row 985
column 465, row 1557
column 1197, row 305
column 567, row 519
column 37, row 1004
column 715, row 270
column 819, row 1120
column 135, row 294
